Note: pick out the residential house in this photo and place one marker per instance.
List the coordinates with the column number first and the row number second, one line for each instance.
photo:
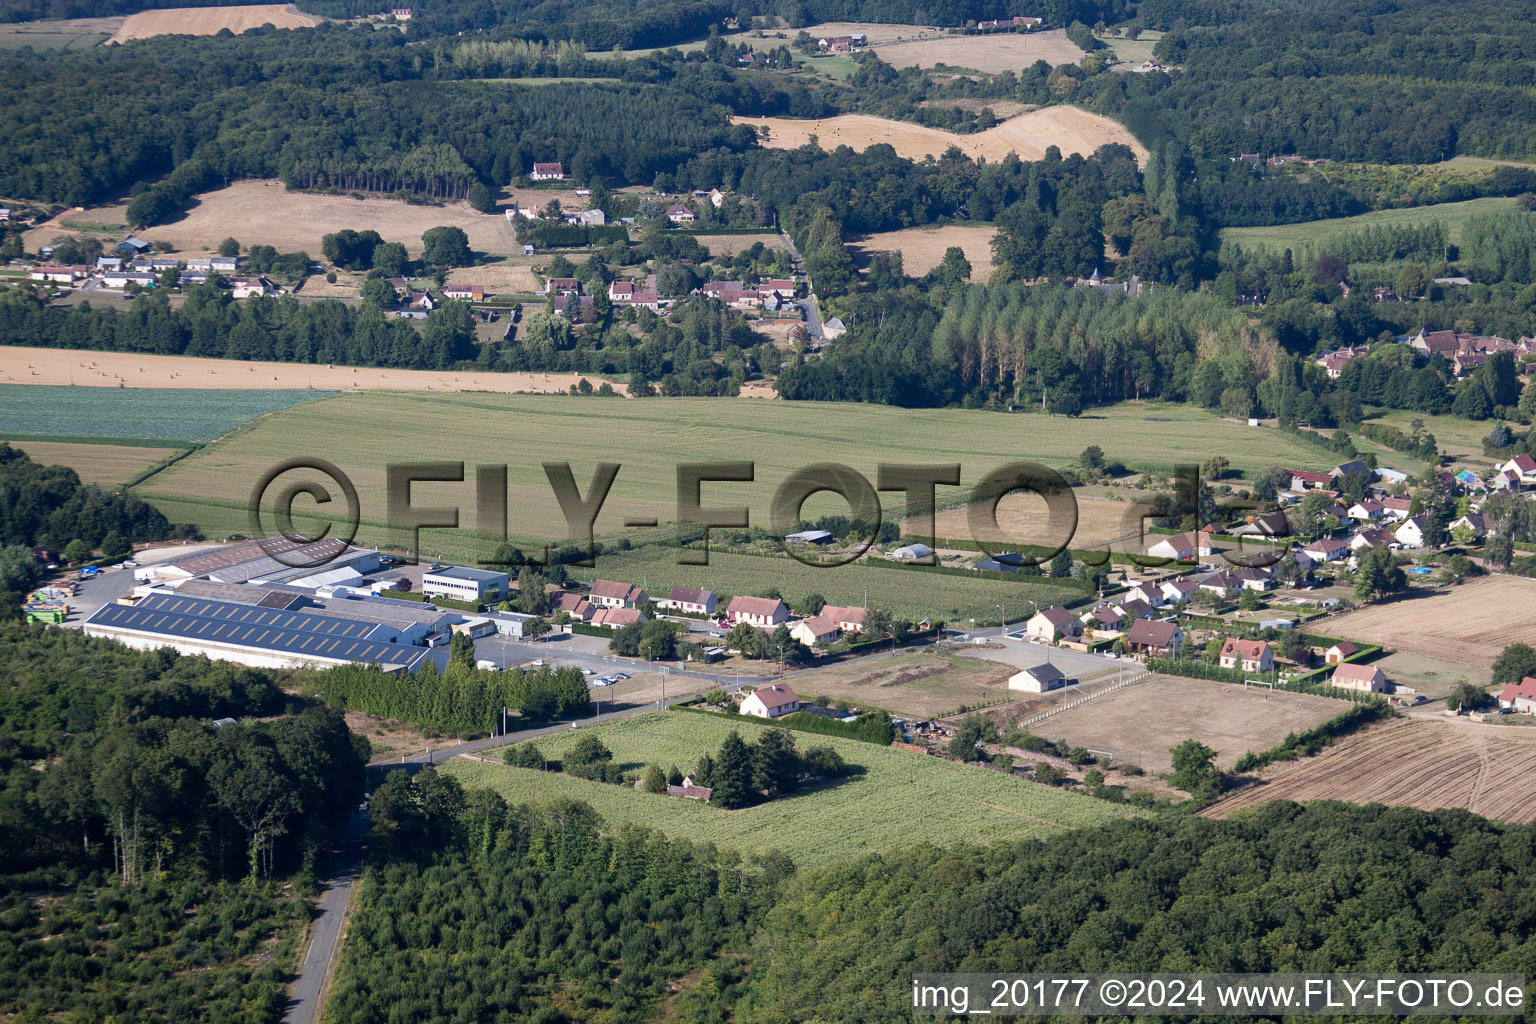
column 1365, row 678
column 109, row 263
column 400, row 13
column 849, row 618
column 1157, row 638
column 621, row 291
column 1221, row 583
column 1367, row 509
column 1105, row 621
column 774, row 701
column 1411, row 533
column 1051, row 624
column 62, row 275
column 757, row 611
column 1429, row 343
column 1520, row 696
column 574, row 605
column 1255, row 578
column 1179, row 589
column 562, row 286
column 1339, row 653
column 421, row 300
column 471, row 292
column 618, row 618
column 1474, row 522
column 1038, row 679
column 1355, row 467
column 1306, row 480
column 1249, row 655
column 548, row 171
column 818, row 629
column 1133, row 608
column 124, row 278
column 1275, row 524
column 677, row 213
column 690, row 601
column 1184, row 547
column 833, row 329
column 1398, row 507
column 1149, row 592
column 612, row 594
column 1326, row 549
column 1524, row 467
column 224, row 264
column 246, row 287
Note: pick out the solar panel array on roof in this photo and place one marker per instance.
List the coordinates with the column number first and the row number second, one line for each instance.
column 298, row 633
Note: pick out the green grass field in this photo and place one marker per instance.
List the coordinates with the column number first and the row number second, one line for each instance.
column 903, row 798
column 167, row 416
column 363, row 433
column 1313, row 233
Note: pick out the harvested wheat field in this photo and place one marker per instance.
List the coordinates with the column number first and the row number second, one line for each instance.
column 1468, row 625
column 208, row 21
column 1025, row 519
column 267, row 213
column 922, row 249
column 1069, row 129
column 499, row 278
column 993, row 53
column 109, row 464
column 999, row 108
column 133, row 370
column 1424, row 763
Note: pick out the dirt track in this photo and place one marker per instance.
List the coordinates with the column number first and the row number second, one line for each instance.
column 132, row 370
column 208, row 21
column 1069, row 129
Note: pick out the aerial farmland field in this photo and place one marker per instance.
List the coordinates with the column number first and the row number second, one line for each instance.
column 108, row 464
column 164, row 415
column 1468, row 624
column 992, row 53
column 208, row 21
column 362, row 433
column 902, row 798
column 1312, row 234
column 1422, row 763
column 923, row 248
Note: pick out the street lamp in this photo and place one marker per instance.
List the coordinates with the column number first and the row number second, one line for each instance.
column 1005, row 617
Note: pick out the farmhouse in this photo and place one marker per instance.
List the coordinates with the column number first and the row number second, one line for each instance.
column 1050, row 624
column 562, row 286
column 1364, row 678
column 548, row 172
column 818, row 629
column 460, row 583
column 1249, row 655
column 1520, row 696
column 1038, row 679
column 770, row 702
column 690, row 601
column 1159, row 638
column 400, row 13
column 757, row 611
column 246, row 287
column 611, row 594
column 472, row 292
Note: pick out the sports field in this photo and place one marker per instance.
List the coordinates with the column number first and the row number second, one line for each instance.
column 923, row 248
column 108, row 464
column 1315, row 233
column 1141, row 724
column 208, row 21
column 362, row 433
column 992, row 53
column 267, row 213
column 902, row 797
column 1468, row 624
column 1069, row 129
column 1419, row 762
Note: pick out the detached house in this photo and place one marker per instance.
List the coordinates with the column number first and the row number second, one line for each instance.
column 677, row 213
column 1327, row 549
column 757, row 611
column 472, row 292
column 1038, row 679
column 1411, row 533
column 611, row 594
column 1184, row 547
column 770, row 701
column 1520, row 696
column 1249, row 655
column 818, row 629
column 548, row 172
column 690, row 601
column 849, row 618
column 1049, row 624
column 1179, row 590
column 1523, row 466
column 1157, row 638
column 1359, row 677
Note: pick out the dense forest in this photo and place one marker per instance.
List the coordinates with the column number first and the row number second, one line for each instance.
column 614, row 915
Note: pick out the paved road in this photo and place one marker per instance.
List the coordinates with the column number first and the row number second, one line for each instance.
column 304, row 997
column 809, row 304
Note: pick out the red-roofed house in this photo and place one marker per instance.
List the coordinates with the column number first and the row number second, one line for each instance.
column 610, row 594
column 1339, row 651
column 1148, row 637
column 1249, row 655
column 548, row 172
column 849, row 618
column 618, row 618
column 1365, row 678
column 818, row 629
column 690, row 601
column 472, row 292
column 1524, row 466
column 770, row 701
column 1306, row 480
column 677, row 213
column 1520, row 696
column 757, row 611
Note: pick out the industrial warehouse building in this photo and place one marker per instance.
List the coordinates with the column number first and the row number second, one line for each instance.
column 474, row 586
column 262, row 636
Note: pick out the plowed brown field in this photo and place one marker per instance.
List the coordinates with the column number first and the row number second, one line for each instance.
column 1468, row 625
column 1423, row 763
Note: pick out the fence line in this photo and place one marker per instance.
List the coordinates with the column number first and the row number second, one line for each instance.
column 1118, row 684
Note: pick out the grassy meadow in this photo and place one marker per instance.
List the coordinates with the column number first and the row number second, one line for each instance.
column 901, row 798
column 107, row 464
column 1313, row 233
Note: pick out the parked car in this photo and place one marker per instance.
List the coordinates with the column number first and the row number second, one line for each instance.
column 130, row 564
column 586, row 671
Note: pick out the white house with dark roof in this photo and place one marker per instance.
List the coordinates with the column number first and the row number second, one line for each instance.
column 690, row 601
column 757, row 611
column 770, row 702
